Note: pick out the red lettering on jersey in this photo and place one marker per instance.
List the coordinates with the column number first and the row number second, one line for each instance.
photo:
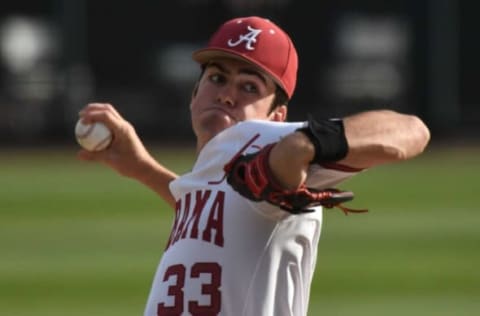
column 200, row 201
column 178, row 206
column 188, row 218
column 181, row 224
column 215, row 220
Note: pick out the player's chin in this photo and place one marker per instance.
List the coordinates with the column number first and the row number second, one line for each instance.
column 219, row 116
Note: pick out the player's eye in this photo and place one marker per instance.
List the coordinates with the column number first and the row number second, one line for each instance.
column 217, row 78
column 250, row 87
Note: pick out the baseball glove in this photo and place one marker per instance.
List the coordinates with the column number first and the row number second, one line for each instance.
column 251, row 177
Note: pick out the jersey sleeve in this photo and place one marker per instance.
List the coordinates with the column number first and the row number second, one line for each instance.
column 329, row 175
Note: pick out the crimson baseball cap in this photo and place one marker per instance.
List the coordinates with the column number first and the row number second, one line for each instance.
column 259, row 41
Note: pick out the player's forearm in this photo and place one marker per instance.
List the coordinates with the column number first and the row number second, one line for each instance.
column 377, row 137
column 290, row 158
column 157, row 178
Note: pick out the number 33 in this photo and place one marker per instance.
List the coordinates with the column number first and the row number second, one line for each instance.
column 176, row 290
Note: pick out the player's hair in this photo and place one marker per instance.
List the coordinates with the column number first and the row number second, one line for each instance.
column 281, row 97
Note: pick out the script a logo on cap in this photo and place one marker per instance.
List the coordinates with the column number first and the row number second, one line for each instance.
column 250, row 38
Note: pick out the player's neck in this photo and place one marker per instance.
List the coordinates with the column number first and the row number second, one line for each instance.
column 204, row 138
column 201, row 143
column 199, row 147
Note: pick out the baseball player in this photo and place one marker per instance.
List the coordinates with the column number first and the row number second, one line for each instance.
column 247, row 217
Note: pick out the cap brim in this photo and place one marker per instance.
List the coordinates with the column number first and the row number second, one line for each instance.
column 202, row 56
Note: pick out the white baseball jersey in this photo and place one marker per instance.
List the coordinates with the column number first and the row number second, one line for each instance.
column 227, row 255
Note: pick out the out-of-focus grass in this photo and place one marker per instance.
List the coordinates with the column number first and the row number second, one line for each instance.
column 415, row 252
column 76, row 239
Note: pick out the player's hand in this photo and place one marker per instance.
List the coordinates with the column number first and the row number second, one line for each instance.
column 126, row 154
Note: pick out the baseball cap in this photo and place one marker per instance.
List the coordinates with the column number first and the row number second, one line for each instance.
column 258, row 41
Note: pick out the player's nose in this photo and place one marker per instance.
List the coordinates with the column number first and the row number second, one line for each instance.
column 226, row 96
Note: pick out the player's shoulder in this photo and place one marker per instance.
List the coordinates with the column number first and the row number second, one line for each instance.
column 263, row 131
column 249, row 133
column 268, row 124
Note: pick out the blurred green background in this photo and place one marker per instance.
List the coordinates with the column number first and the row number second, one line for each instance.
column 77, row 239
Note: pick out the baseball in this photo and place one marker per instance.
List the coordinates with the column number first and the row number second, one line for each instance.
column 93, row 137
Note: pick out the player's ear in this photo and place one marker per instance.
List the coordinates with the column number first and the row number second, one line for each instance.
column 279, row 114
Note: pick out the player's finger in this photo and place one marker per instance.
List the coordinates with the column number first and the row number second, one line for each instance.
column 112, row 121
column 102, row 112
column 99, row 107
column 85, row 155
column 91, row 107
column 112, row 109
column 91, row 114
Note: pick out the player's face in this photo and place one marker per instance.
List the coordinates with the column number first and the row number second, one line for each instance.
column 231, row 91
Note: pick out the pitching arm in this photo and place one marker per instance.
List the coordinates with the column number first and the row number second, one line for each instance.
column 373, row 137
column 126, row 154
column 383, row 136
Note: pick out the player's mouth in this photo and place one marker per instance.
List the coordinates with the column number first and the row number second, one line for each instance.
column 223, row 110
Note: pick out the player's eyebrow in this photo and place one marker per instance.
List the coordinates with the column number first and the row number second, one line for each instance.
column 245, row 70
